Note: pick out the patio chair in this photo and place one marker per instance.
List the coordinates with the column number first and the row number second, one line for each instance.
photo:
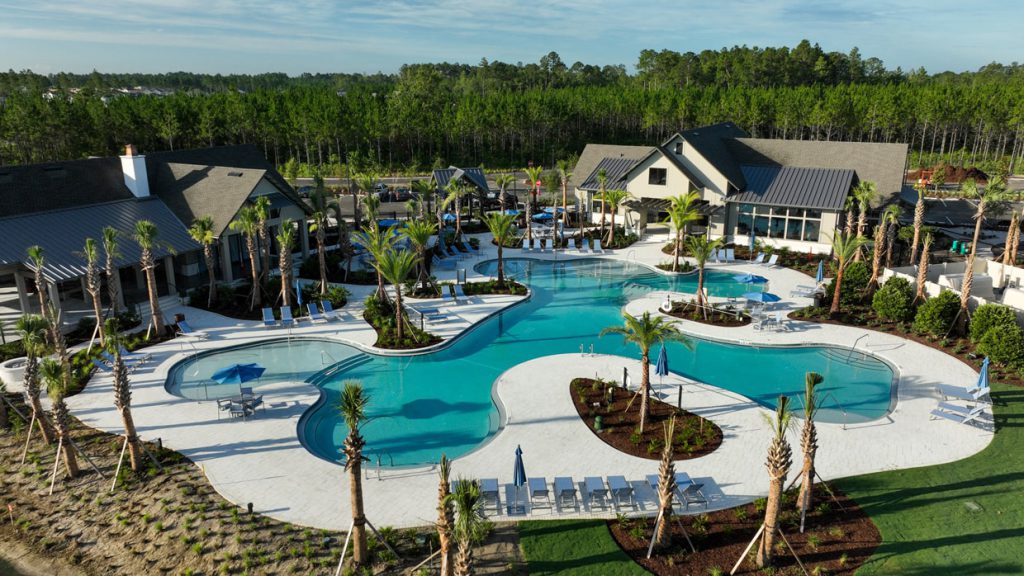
column 730, row 255
column 101, row 366
column 268, row 318
column 237, row 410
column 459, row 293
column 184, row 329
column 585, row 246
column 540, row 497
column 955, row 247
column 781, row 322
column 597, row 246
column 621, row 491
column 759, row 259
column 966, row 394
column 129, row 361
column 772, row 261
column 490, row 494
column 960, row 416
column 526, row 245
column 595, row 490
column 547, row 246
column 314, row 313
column 446, row 264
column 286, row 317
column 446, row 294
column 565, row 492
column 329, row 310
column 571, row 245
column 691, row 493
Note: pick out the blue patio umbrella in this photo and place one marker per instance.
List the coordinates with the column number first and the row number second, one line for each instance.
column 661, row 367
column 983, row 376
column 753, row 237
column 750, row 279
column 238, row 373
column 543, row 217
column 449, row 217
column 518, row 477
column 819, row 277
column 512, row 212
column 387, row 222
column 763, row 297
column 551, row 210
column 298, row 293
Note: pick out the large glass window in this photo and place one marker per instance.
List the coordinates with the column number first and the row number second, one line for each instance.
column 657, row 176
column 812, row 228
column 793, row 228
column 776, row 222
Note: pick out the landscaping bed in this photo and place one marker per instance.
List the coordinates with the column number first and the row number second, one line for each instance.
column 837, row 540
column 381, row 315
column 491, row 287
column 233, row 302
column 694, row 436
column 687, row 311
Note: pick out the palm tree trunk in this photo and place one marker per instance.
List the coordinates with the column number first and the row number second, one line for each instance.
column 157, row 317
column 321, row 237
column 645, row 387
column 918, row 223
column 210, row 270
column 464, row 559
column 257, row 299
column 611, row 229
column 45, row 428
column 922, row 273
column 113, row 281
column 835, row 294
column 876, row 258
column 771, row 518
column 965, row 288
column 501, row 268
column 97, row 307
column 700, row 290
column 398, row 312
column 134, row 446
column 285, row 262
column 359, row 549
column 675, row 261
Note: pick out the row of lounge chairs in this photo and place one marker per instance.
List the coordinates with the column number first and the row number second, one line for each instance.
column 978, row 400
column 132, row 360
column 772, row 260
column 325, row 313
column 562, row 493
column 546, row 245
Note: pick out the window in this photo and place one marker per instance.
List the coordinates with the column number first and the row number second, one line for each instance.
column 776, row 222
column 657, row 176
column 679, row 148
column 275, row 213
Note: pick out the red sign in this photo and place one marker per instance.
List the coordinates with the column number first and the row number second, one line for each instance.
column 538, row 183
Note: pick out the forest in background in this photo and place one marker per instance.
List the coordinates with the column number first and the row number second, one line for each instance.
column 502, row 115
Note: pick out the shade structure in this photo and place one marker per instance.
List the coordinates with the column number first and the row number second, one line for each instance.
column 543, row 217
column 661, row 368
column 750, row 279
column 983, row 376
column 819, row 277
column 761, row 297
column 238, row 373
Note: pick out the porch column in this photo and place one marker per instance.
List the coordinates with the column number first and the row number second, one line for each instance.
column 23, row 299
column 304, row 237
column 172, row 286
column 225, row 259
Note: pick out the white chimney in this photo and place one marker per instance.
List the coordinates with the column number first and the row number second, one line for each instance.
column 133, row 165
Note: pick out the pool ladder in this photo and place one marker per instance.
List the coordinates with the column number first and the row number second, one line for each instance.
column 380, row 463
column 846, row 417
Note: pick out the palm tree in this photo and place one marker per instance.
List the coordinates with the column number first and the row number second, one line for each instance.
column 247, row 223
column 876, row 256
column 666, row 486
column 123, row 398
column 323, row 206
column 53, row 373
column 844, row 248
column 35, row 254
column 1012, row 240
column 32, row 330
column 602, row 183
column 93, row 284
column 111, row 254
column 780, row 458
column 891, row 217
column 445, row 516
column 469, row 523
column 564, row 175
column 396, row 265
column 922, row 268
column 352, row 407
column 371, row 204
column 378, row 243
column 502, row 228
column 423, row 190
column 993, row 196
column 201, row 231
column 454, row 192
column 682, row 210
column 146, row 237
column 808, row 442
column 614, row 198
column 285, row 242
column 503, row 180
column 419, row 232
column 364, row 182
column 55, row 336
column 701, row 249
column 918, row 221
column 848, row 207
column 262, row 208
column 646, row 331
column 533, row 173
column 865, row 193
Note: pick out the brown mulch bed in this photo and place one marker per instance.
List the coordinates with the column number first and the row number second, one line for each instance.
column 835, row 541
column 692, row 313
column 491, row 287
column 694, row 436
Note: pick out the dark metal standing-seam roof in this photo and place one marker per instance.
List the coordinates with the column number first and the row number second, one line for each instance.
column 62, row 234
column 475, row 175
column 816, row 188
column 615, row 169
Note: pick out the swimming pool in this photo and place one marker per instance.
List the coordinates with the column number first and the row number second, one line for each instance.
column 441, row 402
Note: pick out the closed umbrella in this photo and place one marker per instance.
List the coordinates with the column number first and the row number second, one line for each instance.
column 819, row 277
column 983, row 376
column 518, row 479
column 661, row 367
column 238, row 373
column 298, row 294
column 753, row 237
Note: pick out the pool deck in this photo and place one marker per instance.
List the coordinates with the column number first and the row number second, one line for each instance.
column 261, row 460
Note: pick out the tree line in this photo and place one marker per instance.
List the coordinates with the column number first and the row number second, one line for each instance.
column 503, row 115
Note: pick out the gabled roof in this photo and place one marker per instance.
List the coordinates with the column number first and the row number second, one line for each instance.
column 593, row 154
column 193, row 190
column 474, row 176
column 240, row 156
column 710, row 142
column 41, row 187
column 615, row 170
column 665, row 152
column 815, row 188
column 880, row 163
column 62, row 251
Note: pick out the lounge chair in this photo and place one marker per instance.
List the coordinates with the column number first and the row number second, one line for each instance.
column 966, row 394
column 565, row 492
column 459, row 293
column 444, row 264
column 759, row 259
column 781, row 322
column 621, row 491
column 526, row 245
column 140, row 357
column 329, row 310
column 956, row 246
column 286, row 317
column 268, row 318
column 314, row 313
column 489, row 493
column 129, row 362
column 594, row 489
column 772, row 261
column 101, row 366
column 571, row 245
column 184, row 329
column 585, row 246
column 958, row 414
column 540, row 497
column 730, row 255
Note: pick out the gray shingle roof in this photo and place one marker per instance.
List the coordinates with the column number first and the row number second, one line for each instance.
column 595, row 153
column 880, row 163
column 62, row 250
column 817, row 188
column 41, row 187
column 710, row 142
column 475, row 176
column 615, row 169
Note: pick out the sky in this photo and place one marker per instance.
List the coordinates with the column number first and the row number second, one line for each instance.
column 296, row 36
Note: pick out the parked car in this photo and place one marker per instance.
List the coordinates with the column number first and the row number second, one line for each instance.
column 401, row 195
column 305, row 191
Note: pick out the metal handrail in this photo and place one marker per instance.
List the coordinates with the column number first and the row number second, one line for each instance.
column 380, row 454
column 327, row 354
column 839, row 404
column 854, row 347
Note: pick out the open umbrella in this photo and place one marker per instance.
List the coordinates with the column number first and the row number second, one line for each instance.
column 661, row 367
column 763, row 297
column 238, row 373
column 543, row 217
column 512, row 212
column 449, row 217
column 819, row 277
column 750, row 279
column 387, row 222
column 551, row 210
column 518, row 479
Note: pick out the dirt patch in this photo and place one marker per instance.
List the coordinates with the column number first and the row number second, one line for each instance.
column 694, row 436
column 838, row 538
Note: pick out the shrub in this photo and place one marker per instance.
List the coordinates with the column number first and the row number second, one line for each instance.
column 936, row 315
column 855, row 281
column 336, row 295
column 894, row 300
column 989, row 316
column 1004, row 345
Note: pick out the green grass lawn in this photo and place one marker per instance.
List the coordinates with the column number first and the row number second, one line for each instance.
column 925, row 515
column 574, row 548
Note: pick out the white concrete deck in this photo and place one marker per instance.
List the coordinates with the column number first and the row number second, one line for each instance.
column 261, row 460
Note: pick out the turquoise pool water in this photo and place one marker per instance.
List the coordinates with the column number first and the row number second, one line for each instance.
column 441, row 402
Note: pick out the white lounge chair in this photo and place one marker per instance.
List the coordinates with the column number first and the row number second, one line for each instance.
column 781, row 322
column 772, row 261
column 595, row 490
column 958, row 414
column 597, row 246
column 571, row 245
column 460, row 294
column 329, row 310
column 547, row 245
column 314, row 313
column 730, row 255
column 969, row 395
column 268, row 318
column 286, row 317
column 585, row 246
column 490, row 494
column 447, row 296
column 759, row 259
column 184, row 329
